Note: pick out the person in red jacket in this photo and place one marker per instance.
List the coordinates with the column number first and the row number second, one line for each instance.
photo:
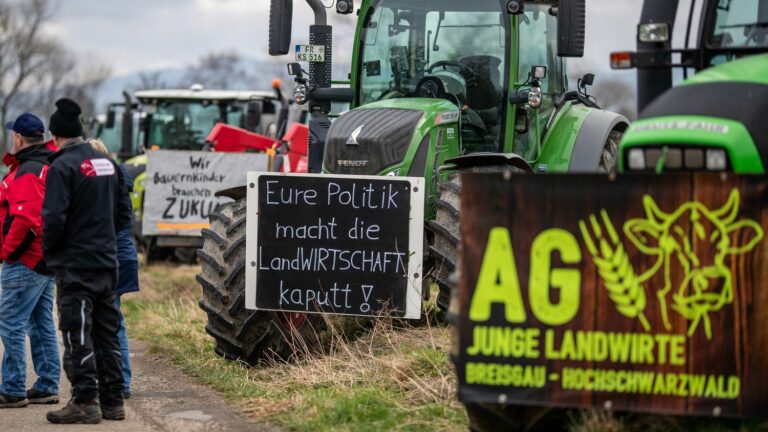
column 26, row 297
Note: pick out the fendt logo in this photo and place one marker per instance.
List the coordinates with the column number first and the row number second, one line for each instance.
column 356, row 133
column 673, row 239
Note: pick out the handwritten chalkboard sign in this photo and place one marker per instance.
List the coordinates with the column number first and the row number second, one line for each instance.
column 181, row 188
column 340, row 245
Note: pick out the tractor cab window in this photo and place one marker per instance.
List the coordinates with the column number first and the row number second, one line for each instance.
column 182, row 125
column 740, row 24
column 449, row 49
column 538, row 47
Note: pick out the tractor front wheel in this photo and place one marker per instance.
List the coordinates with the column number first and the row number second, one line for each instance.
column 239, row 333
column 445, row 232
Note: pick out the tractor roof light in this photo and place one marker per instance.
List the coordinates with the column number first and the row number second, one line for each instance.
column 344, row 7
column 717, row 160
column 636, row 159
column 621, row 60
column 653, row 33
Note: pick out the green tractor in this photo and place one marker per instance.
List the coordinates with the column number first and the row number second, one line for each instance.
column 713, row 121
column 182, row 119
column 436, row 87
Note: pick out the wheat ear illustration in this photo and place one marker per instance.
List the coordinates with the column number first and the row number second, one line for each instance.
column 614, row 267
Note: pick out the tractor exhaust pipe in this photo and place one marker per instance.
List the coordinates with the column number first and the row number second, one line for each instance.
column 280, row 17
column 126, row 134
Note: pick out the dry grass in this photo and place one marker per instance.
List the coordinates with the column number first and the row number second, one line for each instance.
column 386, row 378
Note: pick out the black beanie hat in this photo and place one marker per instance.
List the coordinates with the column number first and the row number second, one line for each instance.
column 65, row 122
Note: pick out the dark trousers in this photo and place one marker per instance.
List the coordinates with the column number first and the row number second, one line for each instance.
column 89, row 322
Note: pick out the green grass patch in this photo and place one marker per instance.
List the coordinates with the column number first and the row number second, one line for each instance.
column 389, row 379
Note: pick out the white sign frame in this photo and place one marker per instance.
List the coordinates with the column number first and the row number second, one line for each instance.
column 415, row 239
column 172, row 162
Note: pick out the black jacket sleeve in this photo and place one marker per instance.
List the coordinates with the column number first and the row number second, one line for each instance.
column 55, row 207
column 124, row 209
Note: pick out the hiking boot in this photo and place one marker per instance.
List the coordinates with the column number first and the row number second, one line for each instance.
column 7, row 401
column 113, row 413
column 126, row 395
column 38, row 397
column 74, row 412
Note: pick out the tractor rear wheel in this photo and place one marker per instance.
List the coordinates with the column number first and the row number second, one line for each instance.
column 239, row 333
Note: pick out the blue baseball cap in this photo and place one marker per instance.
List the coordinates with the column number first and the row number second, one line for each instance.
column 27, row 125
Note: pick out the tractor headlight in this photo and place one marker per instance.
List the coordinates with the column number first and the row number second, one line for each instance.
column 300, row 94
column 534, row 97
column 653, row 32
column 636, row 159
column 717, row 160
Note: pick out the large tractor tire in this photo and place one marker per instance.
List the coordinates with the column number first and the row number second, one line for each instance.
column 239, row 333
column 445, row 233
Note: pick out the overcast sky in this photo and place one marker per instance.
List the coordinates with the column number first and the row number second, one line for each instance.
column 135, row 35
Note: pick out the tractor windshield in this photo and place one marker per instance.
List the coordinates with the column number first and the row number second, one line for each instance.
column 180, row 125
column 740, row 24
column 453, row 49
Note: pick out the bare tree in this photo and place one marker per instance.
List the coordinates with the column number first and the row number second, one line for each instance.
column 151, row 81
column 218, row 70
column 84, row 83
column 24, row 50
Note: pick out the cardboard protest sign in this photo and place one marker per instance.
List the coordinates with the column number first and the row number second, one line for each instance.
column 647, row 293
column 348, row 245
column 181, row 188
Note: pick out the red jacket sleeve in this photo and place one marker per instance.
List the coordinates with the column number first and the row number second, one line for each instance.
column 25, row 203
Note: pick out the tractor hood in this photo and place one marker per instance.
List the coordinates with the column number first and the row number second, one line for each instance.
column 752, row 69
column 368, row 140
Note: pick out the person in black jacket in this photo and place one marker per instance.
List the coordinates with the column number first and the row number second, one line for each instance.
column 86, row 203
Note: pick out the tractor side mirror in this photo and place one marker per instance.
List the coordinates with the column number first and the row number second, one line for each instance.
column 280, row 22
column 110, row 123
column 571, row 28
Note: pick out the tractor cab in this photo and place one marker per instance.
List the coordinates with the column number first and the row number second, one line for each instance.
column 182, row 119
column 715, row 32
column 459, row 52
column 712, row 121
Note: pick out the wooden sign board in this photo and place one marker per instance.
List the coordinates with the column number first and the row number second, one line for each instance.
column 346, row 245
column 647, row 293
column 181, row 186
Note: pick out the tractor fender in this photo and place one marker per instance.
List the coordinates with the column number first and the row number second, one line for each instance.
column 236, row 193
column 590, row 141
column 475, row 160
